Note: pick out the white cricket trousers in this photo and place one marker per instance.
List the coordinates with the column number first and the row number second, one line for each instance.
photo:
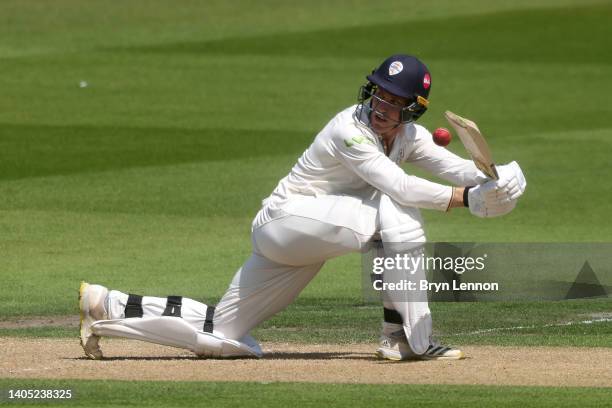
column 290, row 245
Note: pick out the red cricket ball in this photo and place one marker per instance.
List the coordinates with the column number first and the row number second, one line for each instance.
column 442, row 137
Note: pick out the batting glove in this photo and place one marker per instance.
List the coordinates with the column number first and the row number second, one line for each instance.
column 511, row 184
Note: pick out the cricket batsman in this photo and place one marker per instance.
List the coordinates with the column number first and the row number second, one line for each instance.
column 346, row 191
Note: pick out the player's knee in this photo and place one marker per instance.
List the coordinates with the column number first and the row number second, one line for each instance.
column 216, row 345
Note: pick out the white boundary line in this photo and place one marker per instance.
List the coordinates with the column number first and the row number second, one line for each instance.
column 603, row 319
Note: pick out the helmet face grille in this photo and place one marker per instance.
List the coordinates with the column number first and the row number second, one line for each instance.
column 365, row 92
column 414, row 111
column 410, row 113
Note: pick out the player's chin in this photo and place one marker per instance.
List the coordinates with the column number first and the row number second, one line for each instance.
column 381, row 126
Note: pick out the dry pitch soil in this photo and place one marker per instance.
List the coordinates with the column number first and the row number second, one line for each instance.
column 52, row 358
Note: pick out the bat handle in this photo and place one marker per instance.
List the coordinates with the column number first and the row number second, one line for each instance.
column 494, row 169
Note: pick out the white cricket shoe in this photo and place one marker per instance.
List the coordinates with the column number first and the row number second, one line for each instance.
column 394, row 346
column 91, row 304
column 437, row 351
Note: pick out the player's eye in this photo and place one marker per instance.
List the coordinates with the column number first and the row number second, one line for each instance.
column 388, row 104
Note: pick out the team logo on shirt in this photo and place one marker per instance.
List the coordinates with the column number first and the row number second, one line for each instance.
column 357, row 140
column 395, row 68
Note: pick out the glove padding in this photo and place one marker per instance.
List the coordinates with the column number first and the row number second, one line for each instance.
column 511, row 184
column 484, row 202
column 498, row 197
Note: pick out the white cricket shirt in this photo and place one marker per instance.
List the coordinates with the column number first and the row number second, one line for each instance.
column 347, row 158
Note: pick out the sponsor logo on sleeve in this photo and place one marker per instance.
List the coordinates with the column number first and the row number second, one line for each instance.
column 357, row 140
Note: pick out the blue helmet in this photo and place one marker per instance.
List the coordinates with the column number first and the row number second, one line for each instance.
column 405, row 76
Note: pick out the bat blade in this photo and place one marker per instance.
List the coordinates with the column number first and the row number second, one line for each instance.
column 474, row 143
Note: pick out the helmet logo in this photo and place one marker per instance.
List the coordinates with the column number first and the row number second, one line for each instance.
column 395, row 68
column 426, row 81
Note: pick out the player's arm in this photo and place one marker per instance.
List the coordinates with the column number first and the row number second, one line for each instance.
column 362, row 156
column 487, row 198
column 443, row 163
column 490, row 199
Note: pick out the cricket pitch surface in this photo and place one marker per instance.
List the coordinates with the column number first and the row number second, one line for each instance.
column 52, row 358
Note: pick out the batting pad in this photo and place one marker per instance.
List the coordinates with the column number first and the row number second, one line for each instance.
column 402, row 234
column 175, row 332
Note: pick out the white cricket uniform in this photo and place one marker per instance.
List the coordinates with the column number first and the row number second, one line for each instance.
column 342, row 192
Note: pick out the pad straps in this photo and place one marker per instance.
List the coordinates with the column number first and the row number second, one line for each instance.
column 133, row 308
column 208, row 323
column 393, row 316
column 173, row 306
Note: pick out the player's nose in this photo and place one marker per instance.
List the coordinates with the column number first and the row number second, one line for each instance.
column 381, row 107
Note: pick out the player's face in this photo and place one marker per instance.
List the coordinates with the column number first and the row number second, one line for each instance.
column 386, row 112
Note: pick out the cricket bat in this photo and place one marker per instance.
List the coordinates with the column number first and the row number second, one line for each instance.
column 474, row 143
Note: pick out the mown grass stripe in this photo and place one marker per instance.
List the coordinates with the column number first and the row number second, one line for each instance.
column 245, row 394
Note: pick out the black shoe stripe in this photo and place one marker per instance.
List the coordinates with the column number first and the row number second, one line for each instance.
column 434, row 351
column 438, row 351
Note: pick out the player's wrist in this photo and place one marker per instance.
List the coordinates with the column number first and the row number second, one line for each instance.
column 466, row 200
column 456, row 198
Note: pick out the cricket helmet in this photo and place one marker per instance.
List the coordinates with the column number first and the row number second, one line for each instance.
column 405, row 76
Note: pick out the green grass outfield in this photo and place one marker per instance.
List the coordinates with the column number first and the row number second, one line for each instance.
column 317, row 320
column 137, row 141
column 220, row 394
